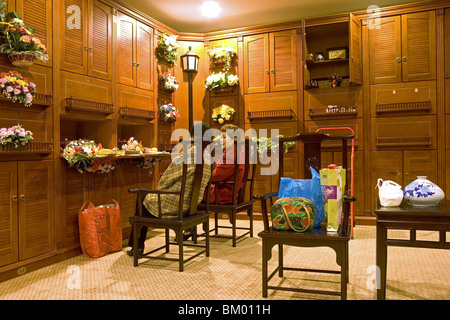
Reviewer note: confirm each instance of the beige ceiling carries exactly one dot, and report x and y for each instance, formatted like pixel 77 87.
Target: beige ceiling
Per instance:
pixel 184 15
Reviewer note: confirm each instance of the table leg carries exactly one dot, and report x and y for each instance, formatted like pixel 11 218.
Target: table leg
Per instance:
pixel 381 260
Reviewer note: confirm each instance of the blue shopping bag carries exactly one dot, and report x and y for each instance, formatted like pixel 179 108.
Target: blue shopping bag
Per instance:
pixel 306 188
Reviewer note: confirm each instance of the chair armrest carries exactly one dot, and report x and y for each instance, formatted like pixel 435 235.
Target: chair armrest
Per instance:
pixel 144 190
pixel 265 196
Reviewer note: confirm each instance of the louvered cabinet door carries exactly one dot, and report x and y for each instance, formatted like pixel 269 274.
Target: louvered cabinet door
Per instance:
pixel 36 219
pixel 100 40
pixel 126 46
pixel 37 14
pixel 385 51
pixel 283 60
pixel 144 68
pixel 355 66
pixel 9 251
pixel 256 63
pixel 74 40
pixel 419 46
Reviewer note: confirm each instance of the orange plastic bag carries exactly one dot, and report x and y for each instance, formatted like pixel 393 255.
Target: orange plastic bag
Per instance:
pixel 100 229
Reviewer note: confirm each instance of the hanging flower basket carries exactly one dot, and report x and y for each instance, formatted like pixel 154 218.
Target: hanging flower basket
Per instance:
pixel 20 59
pixel 226 89
pixel 14 147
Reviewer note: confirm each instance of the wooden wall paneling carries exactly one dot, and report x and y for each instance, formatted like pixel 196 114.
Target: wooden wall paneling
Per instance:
pixel 447 42
pixel 100 40
pixel 283 60
pixel 39 75
pixel 386 51
pixel 256 63
pixel 404 132
pixel 36 215
pixel 419 46
pixel 125 178
pixel 38 16
pixel 9 235
pixel 447 95
pixel 73 36
pixel 419 163
pixel 403 99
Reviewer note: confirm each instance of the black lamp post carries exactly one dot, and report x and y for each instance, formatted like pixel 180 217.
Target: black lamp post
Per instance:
pixel 190 65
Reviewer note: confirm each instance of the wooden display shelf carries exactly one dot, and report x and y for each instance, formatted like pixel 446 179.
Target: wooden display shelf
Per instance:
pixel 271 114
pixel 403 141
pixel 126 112
pixel 87 105
pixel 34 147
pixel 332 112
pixel 403 107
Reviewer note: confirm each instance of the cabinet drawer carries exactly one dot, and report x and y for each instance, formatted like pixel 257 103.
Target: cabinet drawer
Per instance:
pixel 333 103
pixel 404 133
pixel 403 99
pixel 354 124
pixel 271 106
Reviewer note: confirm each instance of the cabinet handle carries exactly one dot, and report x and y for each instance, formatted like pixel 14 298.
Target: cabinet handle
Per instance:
pixel 14 198
pixel 399 174
pixel 22 197
pixel 137 64
pixel 398 59
pixel 85 47
pixel 272 71
pixel 91 49
pixel 406 174
pixel 267 71
pixel 404 59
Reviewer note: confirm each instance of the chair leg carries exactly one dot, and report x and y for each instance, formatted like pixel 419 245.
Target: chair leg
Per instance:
pixel 280 260
pixel 264 268
pixel 233 219
pixel 136 229
pixel 344 270
pixel 179 234
pixel 250 214
pixel 216 221
pixel 206 224
pixel 167 241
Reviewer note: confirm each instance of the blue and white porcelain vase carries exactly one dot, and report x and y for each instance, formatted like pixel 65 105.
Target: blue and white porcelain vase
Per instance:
pixel 423 192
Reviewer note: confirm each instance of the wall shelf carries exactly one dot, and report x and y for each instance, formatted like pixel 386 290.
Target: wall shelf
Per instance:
pixel 34 147
pixel 402 107
pixel 271 114
pixel 126 112
pixel 87 105
pixel 332 112
pixel 403 141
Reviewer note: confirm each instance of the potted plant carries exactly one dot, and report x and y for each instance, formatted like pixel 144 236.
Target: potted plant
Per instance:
pixel 222 114
pixel 222 55
pixel 221 81
pixel 169 113
pixel 15 138
pixel 17 88
pixel 168 82
pixel 167 48
pixel 19 41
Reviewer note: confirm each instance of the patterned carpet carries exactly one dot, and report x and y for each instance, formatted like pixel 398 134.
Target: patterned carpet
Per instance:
pixel 235 274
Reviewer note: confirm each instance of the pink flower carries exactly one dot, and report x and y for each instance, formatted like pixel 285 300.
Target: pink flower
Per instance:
pixel 25 89
pixel 9 89
pixel 29 96
pixel 17 91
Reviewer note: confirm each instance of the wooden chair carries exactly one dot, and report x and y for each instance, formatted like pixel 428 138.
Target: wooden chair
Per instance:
pixel 240 201
pixel 317 237
pixel 183 221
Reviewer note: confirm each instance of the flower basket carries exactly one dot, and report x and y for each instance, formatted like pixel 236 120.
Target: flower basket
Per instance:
pixel 168 113
pixel 14 147
pixel 223 114
pixel 221 90
pixel 20 59
pixel 168 83
pixel 221 82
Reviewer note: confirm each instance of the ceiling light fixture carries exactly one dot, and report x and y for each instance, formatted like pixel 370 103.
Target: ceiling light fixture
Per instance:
pixel 210 9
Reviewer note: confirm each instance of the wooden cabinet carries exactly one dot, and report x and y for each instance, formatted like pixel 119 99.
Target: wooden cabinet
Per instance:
pixel 86 38
pixel 27 215
pixel 403 48
pixel 134 53
pixel 322 38
pixel 38 15
pixel 270 62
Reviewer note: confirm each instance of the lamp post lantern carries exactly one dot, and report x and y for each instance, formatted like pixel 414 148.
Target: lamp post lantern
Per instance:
pixel 190 65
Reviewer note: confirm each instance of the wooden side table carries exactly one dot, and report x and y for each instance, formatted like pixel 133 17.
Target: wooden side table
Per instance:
pixel 412 218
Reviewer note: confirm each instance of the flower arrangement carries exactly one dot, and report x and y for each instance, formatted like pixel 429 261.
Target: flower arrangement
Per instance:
pixel 17 88
pixel 167 47
pixel 266 144
pixel 335 80
pixel 169 112
pixel 19 41
pixel 221 80
pixel 222 113
pixel 168 82
pixel 133 145
pixel 222 55
pixel 82 154
pixel 15 136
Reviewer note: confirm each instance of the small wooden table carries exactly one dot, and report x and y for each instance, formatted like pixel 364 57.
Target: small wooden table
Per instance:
pixel 412 218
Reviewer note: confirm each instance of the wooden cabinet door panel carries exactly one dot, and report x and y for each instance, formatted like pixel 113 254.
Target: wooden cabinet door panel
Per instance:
pixel 355 66
pixel 126 34
pixel 144 56
pixel 419 46
pixel 74 36
pixel 125 178
pixel 419 163
pixel 36 219
pixel 283 60
pixel 100 56
pixel 9 251
pixel 100 188
pixel 37 14
pixel 385 51
pixel 256 63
